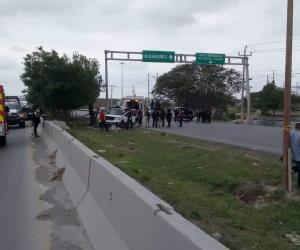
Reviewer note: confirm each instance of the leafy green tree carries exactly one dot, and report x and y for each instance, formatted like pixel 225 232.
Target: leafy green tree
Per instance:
pixel 295 102
pixel 199 86
pixel 61 84
pixel 270 98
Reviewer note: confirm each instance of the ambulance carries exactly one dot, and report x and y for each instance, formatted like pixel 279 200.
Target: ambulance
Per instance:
pixel 3 125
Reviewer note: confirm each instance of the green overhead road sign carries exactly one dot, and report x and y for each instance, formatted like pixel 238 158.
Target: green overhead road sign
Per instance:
pixel 158 56
pixel 210 58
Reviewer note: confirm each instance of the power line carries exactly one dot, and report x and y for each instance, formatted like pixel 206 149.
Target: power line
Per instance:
pixel 276 70
pixel 270 52
pixel 282 48
pixel 272 42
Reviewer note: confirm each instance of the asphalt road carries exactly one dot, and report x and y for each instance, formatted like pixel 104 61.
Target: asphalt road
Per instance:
pixel 36 212
pixel 19 196
pixel 266 139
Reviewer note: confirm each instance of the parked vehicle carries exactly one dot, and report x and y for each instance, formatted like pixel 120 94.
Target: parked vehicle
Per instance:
pixel 13 99
pixel 15 115
pixel 3 124
pixel 118 116
pixel 28 111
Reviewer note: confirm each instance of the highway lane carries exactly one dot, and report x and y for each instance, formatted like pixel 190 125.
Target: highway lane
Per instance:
pixel 19 196
pixel 266 139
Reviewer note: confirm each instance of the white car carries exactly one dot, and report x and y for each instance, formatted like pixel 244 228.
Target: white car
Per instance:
pixel 118 117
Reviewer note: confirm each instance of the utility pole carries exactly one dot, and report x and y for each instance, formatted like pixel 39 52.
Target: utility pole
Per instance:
pixel 248 92
pixel 148 88
pixel 267 79
pixel 122 64
pixel 287 97
pixel 133 91
pixel 111 93
pixel 246 79
pixel 273 76
pixel 155 77
pixel 106 78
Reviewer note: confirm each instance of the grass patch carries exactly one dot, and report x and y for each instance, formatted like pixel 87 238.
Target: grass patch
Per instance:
pixel 228 192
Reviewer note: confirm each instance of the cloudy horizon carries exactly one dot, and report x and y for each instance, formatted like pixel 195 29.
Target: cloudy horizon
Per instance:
pixel 190 26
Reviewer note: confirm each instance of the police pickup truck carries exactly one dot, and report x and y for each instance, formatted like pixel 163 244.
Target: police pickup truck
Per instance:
pixel 3 125
pixel 118 116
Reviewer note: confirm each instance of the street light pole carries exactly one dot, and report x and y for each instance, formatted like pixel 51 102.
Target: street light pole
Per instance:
pixel 148 87
pixel 122 64
pixel 111 94
pixel 287 95
pixel 106 79
pixel 249 119
pixel 243 85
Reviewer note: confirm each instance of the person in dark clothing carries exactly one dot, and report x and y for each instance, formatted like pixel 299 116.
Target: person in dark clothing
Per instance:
pixel 36 120
pixel 140 117
pixel 198 114
pixel 129 120
pixel 209 116
pixel 147 114
pixel 163 117
pixel 102 119
pixel 176 115
pixel 169 117
pixel 203 116
pixel 154 118
pixel 180 118
pixel 295 145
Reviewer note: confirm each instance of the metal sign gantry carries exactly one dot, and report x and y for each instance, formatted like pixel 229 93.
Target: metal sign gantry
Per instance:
pixel 111 55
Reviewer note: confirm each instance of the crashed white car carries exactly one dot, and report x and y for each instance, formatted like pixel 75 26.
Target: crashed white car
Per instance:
pixel 118 117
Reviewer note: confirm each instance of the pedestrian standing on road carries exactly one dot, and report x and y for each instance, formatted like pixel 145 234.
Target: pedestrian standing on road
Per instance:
pixel 158 118
pixel 204 116
pixel 209 115
pixel 180 118
pixel 173 114
pixel 147 115
pixel 129 120
pixel 102 119
pixel 198 114
pixel 163 117
pixel 176 115
pixel 169 117
pixel 295 144
pixel 154 118
pixel 140 117
pixel 36 120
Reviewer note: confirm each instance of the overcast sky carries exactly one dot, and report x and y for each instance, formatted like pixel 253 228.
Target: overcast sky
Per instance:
pixel 190 26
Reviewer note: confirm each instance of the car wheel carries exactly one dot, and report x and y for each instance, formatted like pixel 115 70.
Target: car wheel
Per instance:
pixel 2 140
pixel 22 125
pixel 122 124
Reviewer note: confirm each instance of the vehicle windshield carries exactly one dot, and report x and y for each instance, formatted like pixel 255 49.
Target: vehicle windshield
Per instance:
pixel 115 111
pixel 132 104
pixel 13 105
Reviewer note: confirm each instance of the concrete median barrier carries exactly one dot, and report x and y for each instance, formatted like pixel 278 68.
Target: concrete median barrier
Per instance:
pixel 117 212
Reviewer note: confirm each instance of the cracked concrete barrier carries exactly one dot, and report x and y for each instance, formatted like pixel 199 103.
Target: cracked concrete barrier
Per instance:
pixel 75 161
pixel 117 212
pixel 143 220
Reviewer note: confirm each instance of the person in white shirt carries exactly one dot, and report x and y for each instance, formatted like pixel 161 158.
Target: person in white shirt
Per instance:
pixel 295 144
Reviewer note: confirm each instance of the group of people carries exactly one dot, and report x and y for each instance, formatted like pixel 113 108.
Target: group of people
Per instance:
pixel 203 116
pixel 159 116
